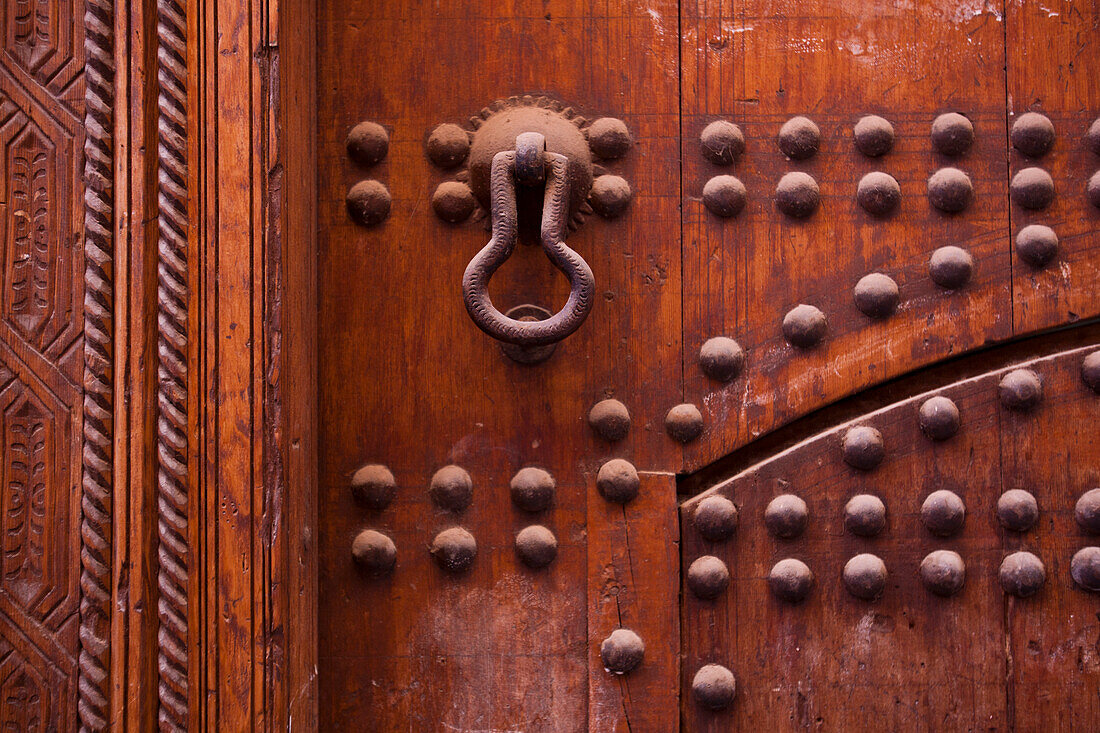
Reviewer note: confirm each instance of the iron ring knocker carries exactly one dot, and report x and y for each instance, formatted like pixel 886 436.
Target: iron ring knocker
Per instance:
pixel 529 164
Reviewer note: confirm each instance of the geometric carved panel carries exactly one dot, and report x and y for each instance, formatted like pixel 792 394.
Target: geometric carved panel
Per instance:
pixel 39 39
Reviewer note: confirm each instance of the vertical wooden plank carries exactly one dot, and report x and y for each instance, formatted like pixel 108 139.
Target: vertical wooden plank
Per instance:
pixel 759 63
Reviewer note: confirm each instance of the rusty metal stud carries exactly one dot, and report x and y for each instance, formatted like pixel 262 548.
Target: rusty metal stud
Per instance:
pixel 708 577
pixel 786 516
pixel 1092 189
pixel 609 138
pixel 1032 134
pixel 374 486
pixel 1084 568
pixel 1032 188
pixel 368 203
pixel 1087 511
pixel 865 515
pixel 950 190
pixel 1092 137
pixel 874 136
pixel 863 448
pixel 799 138
pixel 804 326
pixel 1090 371
pixel 1036 245
pixel 528 354
pixel 943 572
pixel 797 194
pixel 454 549
pixel 724 196
pixel 939 418
pixel 367 143
pixel 715 518
pixel 878 193
pixel 876 295
pixel 714 687
pixel 536 546
pixel 1022 574
pixel 790 580
pixel 865 576
pixel 951 267
pixel 722 142
pixel 532 489
pixel 684 422
pixel 453 202
pixel 1020 390
pixel 448 145
pixel 617 481
pixel 374 552
pixel 1017 510
pixel 610 420
pixel 452 488
pixel 622 651
pixel 721 358
pixel 952 134
pixel 610 196
pixel 943 513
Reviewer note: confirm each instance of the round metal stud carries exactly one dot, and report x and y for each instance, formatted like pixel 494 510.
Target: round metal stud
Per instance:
pixel 617 481
pixel 520 354
pixel 373 486
pixel 865 576
pixel 878 193
pixel 1022 574
pixel 799 138
pixel 786 516
pixel 368 203
pixel 1032 188
pixel 790 580
pixel 951 267
pixel 1084 568
pixel 452 488
pixel 952 134
pixel 1036 245
pixel 609 138
pixel 1092 137
pixel 1032 134
pixel 1087 511
pixel 453 202
pixel 715 518
pixel 454 549
pixel 797 194
pixel 1020 390
pixel 448 145
pixel 610 420
pixel 721 358
pixel 610 196
pixel 708 577
pixel 714 687
pixel 367 143
pixel 1090 371
pixel 876 295
pixel 374 552
pixel 724 196
pixel 943 572
pixel 874 136
pixel 532 489
pixel 1017 510
pixel 943 513
pixel 804 326
pixel 950 190
pixel 865 515
pixel 939 417
pixel 863 448
pixel 536 546
pixel 1092 189
pixel 684 422
pixel 622 651
pixel 722 142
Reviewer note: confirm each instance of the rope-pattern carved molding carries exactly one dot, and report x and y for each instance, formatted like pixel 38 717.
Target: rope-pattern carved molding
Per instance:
pixel 172 298
pixel 97 456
